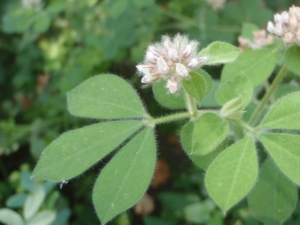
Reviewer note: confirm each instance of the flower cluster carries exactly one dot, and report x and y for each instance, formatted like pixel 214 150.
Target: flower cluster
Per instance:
pixel 260 39
pixel 216 4
pixel 30 3
pixel 287 25
pixel 171 60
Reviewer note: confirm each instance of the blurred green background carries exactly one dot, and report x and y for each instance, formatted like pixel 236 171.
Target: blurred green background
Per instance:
pixel 48 47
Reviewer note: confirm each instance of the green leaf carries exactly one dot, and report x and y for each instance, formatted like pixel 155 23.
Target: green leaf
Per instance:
pixel 203 161
pixel 195 86
pixel 219 52
pixel 239 85
pixel 76 151
pixel 42 23
pixel 166 99
pixel 10 217
pixel 284 149
pixel 274 197
pixel 209 100
pixel 232 174
pixel 124 180
pixel 248 29
pixel 16 201
pixel 144 3
pixel 284 114
pixel 34 202
pixel 45 217
pixel 209 131
pixel 199 212
pixel 106 97
pixel 257 65
pixel 291 59
pixel 116 8
pixel 207 78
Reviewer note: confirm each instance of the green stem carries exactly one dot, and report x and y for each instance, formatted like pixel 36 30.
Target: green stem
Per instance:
pixel 280 75
pixel 166 119
pixel 245 125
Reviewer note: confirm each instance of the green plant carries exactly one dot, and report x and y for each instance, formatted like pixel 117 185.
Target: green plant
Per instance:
pixel 33 203
pixel 222 141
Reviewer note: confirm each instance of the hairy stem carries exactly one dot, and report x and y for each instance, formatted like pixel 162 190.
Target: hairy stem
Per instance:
pixel 166 119
pixel 280 75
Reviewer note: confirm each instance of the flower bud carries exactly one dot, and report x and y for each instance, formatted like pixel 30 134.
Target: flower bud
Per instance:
pixel 149 79
pixel 193 63
pixel 173 55
pixel 172 85
pixel 151 57
pixel 233 109
pixel 181 70
pixel 202 60
pixel 187 51
pixel 162 65
pixel 271 27
pixel 143 69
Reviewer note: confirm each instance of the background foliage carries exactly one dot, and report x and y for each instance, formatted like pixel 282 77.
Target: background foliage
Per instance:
pixel 49 49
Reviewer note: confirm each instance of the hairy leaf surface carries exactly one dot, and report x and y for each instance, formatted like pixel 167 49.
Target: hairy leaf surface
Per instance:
pixel 274 197
pixel 232 174
pixel 76 151
pixel 125 179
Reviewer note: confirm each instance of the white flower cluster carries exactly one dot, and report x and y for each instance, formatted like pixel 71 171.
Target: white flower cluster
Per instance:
pixel 287 25
pixel 216 4
pixel 260 39
pixel 30 3
pixel 171 60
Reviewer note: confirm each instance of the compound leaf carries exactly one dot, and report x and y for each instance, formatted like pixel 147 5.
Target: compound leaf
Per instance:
pixel 125 179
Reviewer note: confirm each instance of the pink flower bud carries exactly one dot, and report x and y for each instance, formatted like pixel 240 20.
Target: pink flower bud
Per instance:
pixel 172 85
pixel 143 68
pixel 151 57
pixel 162 65
pixel 193 63
pixel 149 78
pixel 181 70
pixel 173 55
pixel 187 51
pixel 271 27
pixel 285 17
pixel 202 60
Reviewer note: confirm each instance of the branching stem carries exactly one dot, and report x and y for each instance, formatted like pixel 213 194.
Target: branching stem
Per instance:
pixel 280 75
